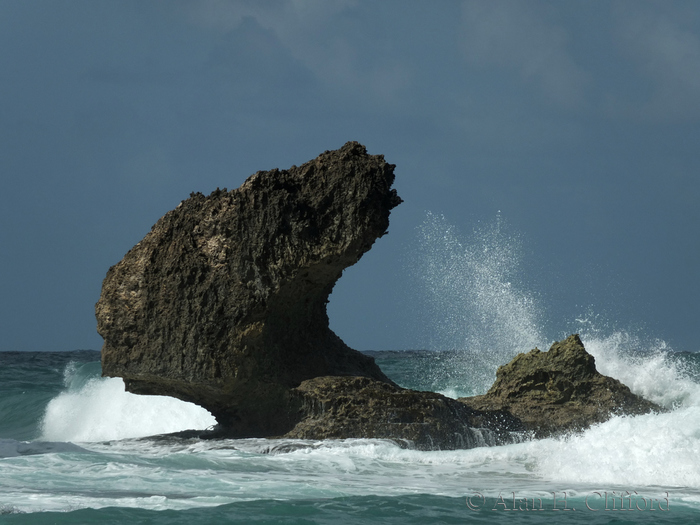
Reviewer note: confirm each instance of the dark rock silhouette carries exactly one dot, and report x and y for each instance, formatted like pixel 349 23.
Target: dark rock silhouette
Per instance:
pixel 558 391
pixel 223 303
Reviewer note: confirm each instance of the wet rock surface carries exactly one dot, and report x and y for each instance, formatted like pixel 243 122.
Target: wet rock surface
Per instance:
pixel 360 407
pixel 558 391
pixel 223 303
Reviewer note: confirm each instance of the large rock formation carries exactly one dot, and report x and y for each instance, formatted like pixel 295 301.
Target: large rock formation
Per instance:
pixel 558 391
pixel 223 303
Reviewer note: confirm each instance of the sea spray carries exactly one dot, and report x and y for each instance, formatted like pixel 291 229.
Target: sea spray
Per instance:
pixel 650 370
pixel 472 295
pixel 475 297
pixel 95 409
pixel 649 366
pixel 479 306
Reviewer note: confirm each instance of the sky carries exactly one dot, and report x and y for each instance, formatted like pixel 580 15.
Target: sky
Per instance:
pixel 571 128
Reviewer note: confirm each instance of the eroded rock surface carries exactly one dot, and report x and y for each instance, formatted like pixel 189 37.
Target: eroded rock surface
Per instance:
pixel 223 303
pixel 558 391
pixel 360 407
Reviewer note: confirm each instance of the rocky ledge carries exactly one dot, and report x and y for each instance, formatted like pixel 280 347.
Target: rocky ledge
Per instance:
pixel 558 391
pixel 360 407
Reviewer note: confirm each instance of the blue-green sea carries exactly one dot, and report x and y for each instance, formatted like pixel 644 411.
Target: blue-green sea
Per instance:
pixel 75 448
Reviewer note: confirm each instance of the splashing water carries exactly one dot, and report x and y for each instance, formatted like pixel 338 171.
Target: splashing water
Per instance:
pixel 651 449
pixel 470 283
pixel 95 409
pixel 478 303
pixel 473 298
pixel 647 366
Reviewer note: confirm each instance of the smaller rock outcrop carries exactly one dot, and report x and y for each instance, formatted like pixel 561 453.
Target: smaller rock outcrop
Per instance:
pixel 558 391
pixel 334 407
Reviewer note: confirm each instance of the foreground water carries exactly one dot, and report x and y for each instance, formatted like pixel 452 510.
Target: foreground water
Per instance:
pixel 74 449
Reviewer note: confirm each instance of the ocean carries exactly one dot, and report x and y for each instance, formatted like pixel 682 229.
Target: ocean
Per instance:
pixel 76 448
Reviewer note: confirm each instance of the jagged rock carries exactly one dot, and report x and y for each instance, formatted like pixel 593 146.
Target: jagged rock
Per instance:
pixel 360 407
pixel 558 391
pixel 223 303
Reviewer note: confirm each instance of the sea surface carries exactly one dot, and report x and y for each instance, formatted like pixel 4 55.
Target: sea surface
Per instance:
pixel 75 448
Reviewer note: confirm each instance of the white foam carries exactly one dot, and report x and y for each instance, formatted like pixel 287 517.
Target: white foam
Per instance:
pixel 649 450
pixel 646 367
pixel 102 410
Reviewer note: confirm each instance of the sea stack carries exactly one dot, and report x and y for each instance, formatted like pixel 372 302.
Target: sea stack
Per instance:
pixel 558 391
pixel 223 303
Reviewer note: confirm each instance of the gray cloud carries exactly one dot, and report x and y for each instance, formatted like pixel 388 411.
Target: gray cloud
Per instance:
pixel 326 37
pixel 518 36
pixel 664 45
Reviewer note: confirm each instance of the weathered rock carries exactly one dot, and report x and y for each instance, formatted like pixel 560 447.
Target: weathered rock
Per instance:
pixel 558 391
pixel 223 303
pixel 360 407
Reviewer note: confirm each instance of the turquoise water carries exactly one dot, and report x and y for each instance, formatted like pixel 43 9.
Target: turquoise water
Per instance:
pixel 411 509
pixel 75 448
